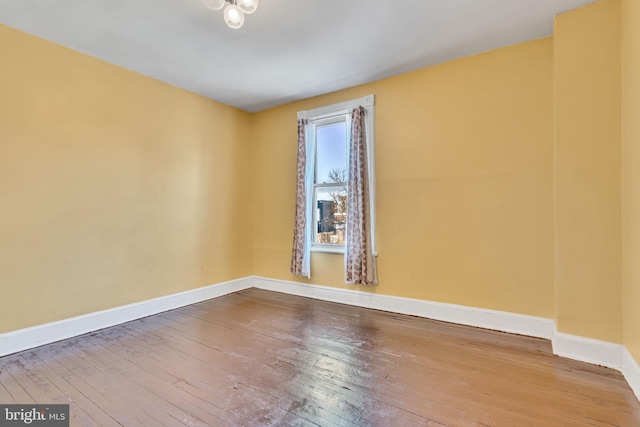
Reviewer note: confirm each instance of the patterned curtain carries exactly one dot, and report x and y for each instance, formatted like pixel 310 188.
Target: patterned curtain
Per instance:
pixel 300 256
pixel 360 263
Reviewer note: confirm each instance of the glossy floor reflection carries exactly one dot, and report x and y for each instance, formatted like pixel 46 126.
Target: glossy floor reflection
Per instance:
pixel 257 358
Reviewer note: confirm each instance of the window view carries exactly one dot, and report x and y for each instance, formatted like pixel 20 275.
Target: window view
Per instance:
pixel 330 184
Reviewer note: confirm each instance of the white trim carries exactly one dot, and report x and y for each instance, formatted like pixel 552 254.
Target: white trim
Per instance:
pixel 23 339
pixel 588 350
pixel 471 316
pixel 370 136
pixel 574 347
pixel 337 109
pixel 327 249
pixel 631 371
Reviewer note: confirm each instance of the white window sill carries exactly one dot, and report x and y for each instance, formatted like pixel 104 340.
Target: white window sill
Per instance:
pixel 329 249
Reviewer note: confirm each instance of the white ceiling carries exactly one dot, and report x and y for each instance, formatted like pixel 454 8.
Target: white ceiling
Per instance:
pixel 288 49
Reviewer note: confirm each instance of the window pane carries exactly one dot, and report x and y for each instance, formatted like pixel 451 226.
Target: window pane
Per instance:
pixel 331 215
pixel 331 153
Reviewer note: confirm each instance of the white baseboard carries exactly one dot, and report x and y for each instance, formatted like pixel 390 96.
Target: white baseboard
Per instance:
pixel 631 371
pixel 588 350
pixel 23 339
pixel 471 316
pixel 573 347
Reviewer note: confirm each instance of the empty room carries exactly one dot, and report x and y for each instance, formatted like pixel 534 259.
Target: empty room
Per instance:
pixel 320 213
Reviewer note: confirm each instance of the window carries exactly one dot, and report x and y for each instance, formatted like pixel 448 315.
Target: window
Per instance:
pixel 330 181
pixel 335 189
pixel 327 139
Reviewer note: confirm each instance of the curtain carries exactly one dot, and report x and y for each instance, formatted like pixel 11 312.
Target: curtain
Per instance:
pixel 360 266
pixel 300 256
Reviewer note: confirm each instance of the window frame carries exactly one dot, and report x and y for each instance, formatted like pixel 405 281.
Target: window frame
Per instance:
pixel 325 116
pixel 317 123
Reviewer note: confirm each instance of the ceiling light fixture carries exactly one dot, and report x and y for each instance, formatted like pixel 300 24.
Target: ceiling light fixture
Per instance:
pixel 235 10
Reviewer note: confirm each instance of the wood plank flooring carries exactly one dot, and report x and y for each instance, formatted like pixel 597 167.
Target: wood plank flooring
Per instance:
pixel 258 358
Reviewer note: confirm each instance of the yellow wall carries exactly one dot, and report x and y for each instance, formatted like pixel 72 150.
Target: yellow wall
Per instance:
pixel 587 171
pixel 498 179
pixel 464 183
pixel 631 175
pixel 114 187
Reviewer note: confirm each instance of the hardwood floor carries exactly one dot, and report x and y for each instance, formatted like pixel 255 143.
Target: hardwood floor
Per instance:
pixel 258 358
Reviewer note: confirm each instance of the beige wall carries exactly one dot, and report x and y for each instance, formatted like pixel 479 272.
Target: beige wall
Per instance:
pixel 587 171
pixel 631 175
pixel 114 187
pixel 464 183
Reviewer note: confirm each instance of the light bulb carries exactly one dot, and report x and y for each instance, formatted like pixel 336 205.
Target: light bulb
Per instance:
pixel 214 4
pixel 248 6
pixel 233 16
